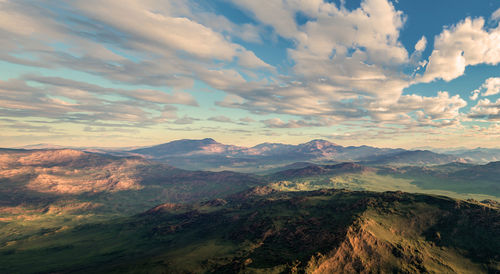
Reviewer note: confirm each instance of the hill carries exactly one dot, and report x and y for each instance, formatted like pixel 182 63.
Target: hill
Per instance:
pixel 314 170
pixel 459 180
pixel 267 231
pixel 490 171
pixel 54 174
pixel 43 189
pixel 417 158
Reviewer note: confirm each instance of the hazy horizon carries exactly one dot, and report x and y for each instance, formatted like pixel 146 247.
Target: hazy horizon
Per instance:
pixel 132 146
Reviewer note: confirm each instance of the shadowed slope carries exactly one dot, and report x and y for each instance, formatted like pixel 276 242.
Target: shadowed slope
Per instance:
pixel 264 230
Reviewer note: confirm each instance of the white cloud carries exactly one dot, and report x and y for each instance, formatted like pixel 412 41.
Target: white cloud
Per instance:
pixel 486 109
pixel 151 42
pixel 465 44
pixel 491 86
pixel 428 110
pixel 421 44
pixel 162 33
pixel 339 55
pixel 475 94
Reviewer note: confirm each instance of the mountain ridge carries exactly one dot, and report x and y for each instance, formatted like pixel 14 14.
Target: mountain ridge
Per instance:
pixel 211 155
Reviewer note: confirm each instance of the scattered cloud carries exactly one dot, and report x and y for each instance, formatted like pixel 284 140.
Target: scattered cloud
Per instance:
pixel 491 86
pixel 247 120
pixel 221 118
pixel 278 123
pixel 486 109
pixel 421 44
pixel 185 120
pixel 475 94
pixel 464 44
pixel 77 102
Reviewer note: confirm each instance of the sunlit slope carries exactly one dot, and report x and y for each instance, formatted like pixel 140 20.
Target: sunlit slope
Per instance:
pixel 43 190
pixel 456 180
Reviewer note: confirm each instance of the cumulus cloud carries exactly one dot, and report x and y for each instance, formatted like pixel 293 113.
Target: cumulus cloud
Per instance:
pixel 486 109
pixel 491 86
pixel 415 110
pixel 357 51
pixel 464 44
pixel 344 60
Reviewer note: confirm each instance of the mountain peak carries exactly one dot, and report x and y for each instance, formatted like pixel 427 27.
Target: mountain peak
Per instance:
pixel 320 141
pixel 208 140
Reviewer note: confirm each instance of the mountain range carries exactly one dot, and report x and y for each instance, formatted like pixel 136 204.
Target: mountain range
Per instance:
pixel 207 154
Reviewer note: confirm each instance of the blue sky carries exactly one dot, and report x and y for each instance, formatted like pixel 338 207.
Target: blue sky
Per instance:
pixel 125 73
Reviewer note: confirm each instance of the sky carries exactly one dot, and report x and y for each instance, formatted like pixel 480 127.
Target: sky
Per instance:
pixel 119 73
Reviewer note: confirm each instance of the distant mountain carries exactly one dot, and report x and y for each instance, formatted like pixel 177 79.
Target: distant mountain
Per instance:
pixel 418 157
pixel 478 155
pixel 41 146
pixel 188 147
pixel 84 148
pixel 207 154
